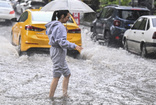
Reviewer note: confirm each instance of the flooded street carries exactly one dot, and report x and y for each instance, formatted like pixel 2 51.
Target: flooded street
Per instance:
pixel 101 76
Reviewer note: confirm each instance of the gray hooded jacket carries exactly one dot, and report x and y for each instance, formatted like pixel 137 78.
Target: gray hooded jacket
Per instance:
pixel 58 35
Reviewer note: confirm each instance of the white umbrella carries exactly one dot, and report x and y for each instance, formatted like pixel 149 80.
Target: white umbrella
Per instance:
pixel 71 5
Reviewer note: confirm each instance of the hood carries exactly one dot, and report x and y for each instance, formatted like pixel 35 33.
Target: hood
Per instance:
pixel 50 26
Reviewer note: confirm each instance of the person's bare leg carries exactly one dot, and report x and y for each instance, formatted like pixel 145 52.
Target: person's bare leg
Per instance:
pixel 53 87
pixel 65 85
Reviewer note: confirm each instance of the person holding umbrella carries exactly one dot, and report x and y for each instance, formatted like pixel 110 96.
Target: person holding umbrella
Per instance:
pixel 57 34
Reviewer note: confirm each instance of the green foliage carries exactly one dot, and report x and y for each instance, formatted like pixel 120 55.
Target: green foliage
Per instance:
pixel 154 3
pixel 117 2
pixel 104 3
pixel 125 2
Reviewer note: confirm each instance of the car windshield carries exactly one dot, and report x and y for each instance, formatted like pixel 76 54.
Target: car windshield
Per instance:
pixel 37 3
pixel 154 22
pixel 132 14
pixel 5 4
pixel 45 17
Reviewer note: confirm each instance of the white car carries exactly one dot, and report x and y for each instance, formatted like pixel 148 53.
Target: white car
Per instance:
pixel 141 37
pixel 6 11
pixel 28 4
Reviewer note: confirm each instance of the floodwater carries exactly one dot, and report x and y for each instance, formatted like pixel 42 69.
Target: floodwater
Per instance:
pixel 100 76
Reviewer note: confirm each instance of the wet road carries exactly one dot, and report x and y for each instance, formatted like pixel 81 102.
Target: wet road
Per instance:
pixel 101 76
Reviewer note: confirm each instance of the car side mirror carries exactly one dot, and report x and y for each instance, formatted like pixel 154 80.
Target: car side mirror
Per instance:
pixel 131 25
pixel 14 19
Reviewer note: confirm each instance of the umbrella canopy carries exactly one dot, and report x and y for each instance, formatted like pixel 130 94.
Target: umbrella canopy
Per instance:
pixel 71 5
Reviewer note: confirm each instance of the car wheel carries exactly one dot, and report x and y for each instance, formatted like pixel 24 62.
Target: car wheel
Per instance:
pixel 91 28
pixel 20 53
pixel 125 46
pixel 19 47
pixel 143 51
pixel 12 38
pixel 107 39
pixel 93 37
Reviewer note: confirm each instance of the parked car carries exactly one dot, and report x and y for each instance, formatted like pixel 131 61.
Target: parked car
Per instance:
pixel 27 4
pixel 6 11
pixel 30 32
pixel 113 21
pixel 141 38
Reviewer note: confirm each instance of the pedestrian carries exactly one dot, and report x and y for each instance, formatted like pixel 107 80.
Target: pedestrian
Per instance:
pixel 57 34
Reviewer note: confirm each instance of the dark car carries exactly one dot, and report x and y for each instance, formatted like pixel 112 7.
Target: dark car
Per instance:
pixel 113 21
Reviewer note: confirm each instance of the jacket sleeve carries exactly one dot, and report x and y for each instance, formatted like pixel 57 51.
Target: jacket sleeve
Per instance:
pixel 62 39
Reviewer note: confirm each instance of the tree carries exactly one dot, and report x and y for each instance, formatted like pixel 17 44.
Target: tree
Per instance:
pixel 117 2
pixel 94 4
pixel 125 2
pixel 147 3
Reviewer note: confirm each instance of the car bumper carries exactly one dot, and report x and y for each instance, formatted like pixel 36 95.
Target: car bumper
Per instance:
pixel 34 41
pixel 151 47
pixel 117 33
pixel 41 41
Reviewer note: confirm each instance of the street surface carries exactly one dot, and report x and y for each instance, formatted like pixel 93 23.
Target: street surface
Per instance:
pixel 100 76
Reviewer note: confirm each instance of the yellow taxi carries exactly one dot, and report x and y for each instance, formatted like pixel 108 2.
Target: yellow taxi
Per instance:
pixel 30 32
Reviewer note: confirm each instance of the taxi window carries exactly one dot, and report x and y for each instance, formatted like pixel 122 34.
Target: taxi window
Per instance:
pixel 45 17
pixel 41 16
pixel 69 21
pixel 23 17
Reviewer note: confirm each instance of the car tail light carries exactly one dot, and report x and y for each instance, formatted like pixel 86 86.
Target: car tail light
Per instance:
pixel 11 12
pixel 154 35
pixel 116 23
pixel 117 37
pixel 32 28
pixel 78 30
pixel 135 9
